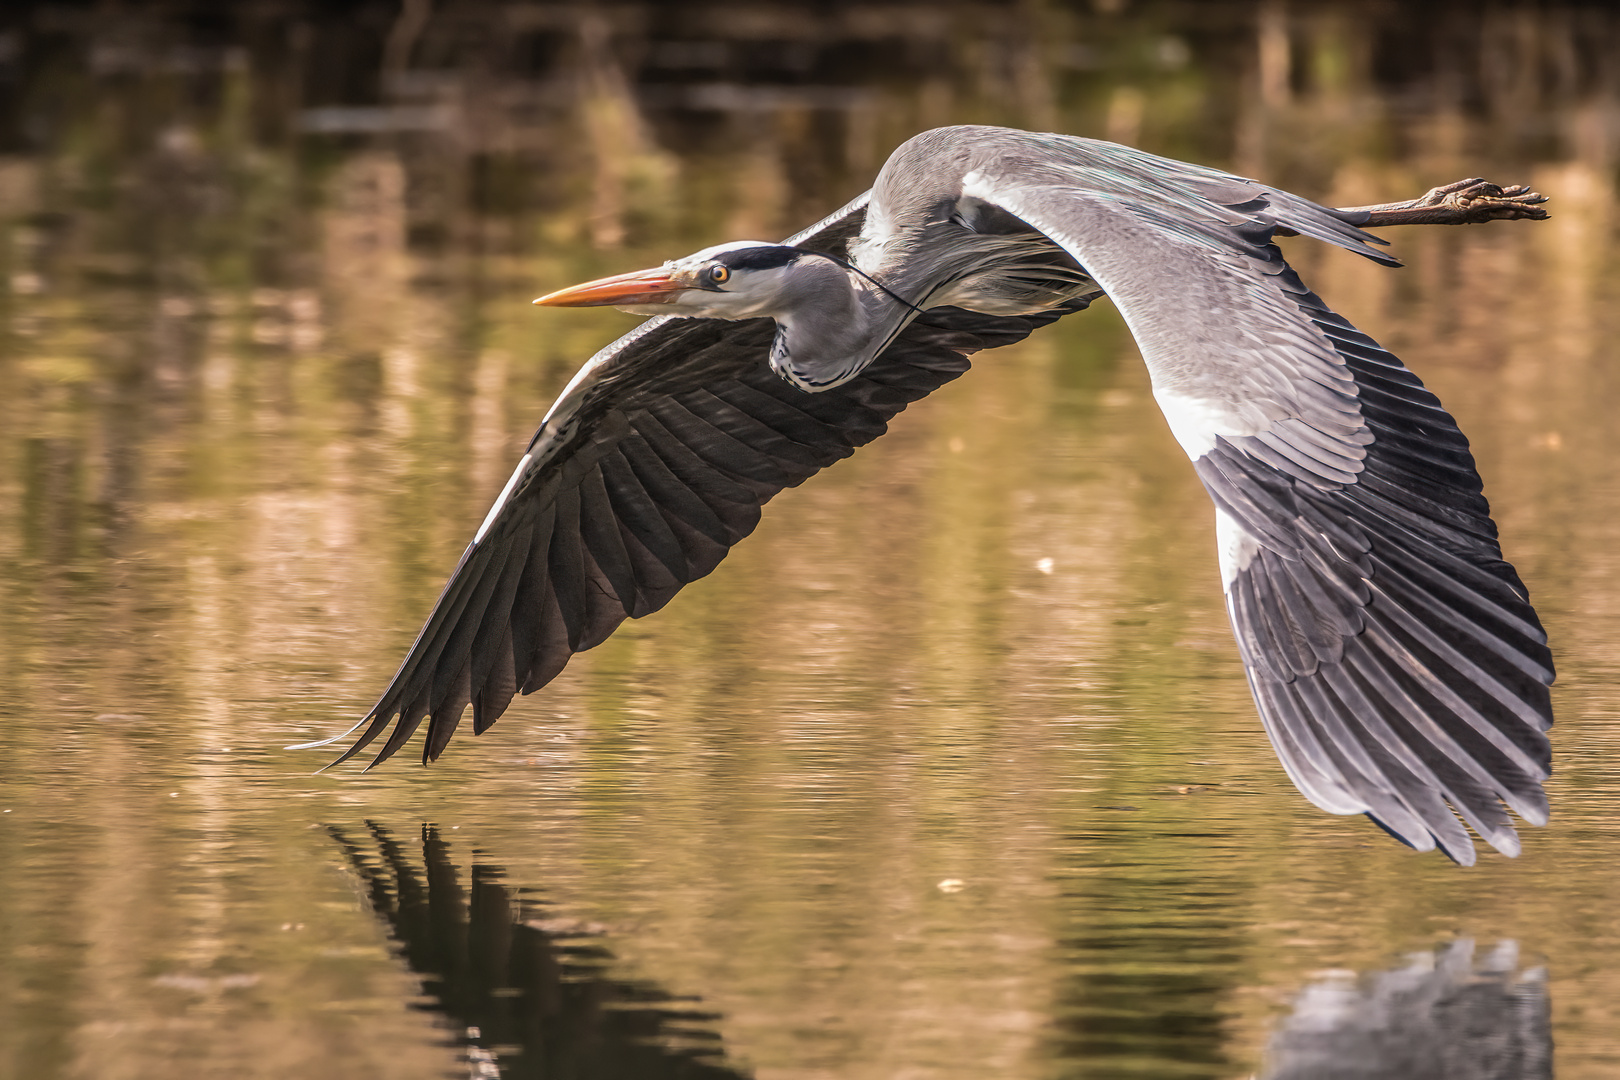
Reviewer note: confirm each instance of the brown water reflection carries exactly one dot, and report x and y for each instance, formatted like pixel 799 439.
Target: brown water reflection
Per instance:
pixel 1431 1016
pixel 265 362
pixel 530 993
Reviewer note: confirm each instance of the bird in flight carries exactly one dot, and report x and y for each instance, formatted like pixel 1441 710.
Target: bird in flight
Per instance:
pixel 1395 659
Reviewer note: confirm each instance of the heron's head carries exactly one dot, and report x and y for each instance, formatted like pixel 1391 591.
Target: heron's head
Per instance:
pixel 742 280
pixel 831 320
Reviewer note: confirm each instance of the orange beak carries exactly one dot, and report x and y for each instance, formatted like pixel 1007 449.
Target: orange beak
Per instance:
pixel 621 290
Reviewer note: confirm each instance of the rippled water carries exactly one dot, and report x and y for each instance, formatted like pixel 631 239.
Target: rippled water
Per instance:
pixel 949 771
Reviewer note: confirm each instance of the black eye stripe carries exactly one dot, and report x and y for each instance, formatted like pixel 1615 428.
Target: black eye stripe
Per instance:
pixel 759 258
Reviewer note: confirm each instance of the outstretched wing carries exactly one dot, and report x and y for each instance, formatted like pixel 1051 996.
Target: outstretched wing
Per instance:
pixel 1394 655
pixel 653 462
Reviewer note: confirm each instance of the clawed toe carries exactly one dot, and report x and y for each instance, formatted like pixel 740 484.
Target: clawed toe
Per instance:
pixel 1465 202
pixel 1438 196
pixel 1477 200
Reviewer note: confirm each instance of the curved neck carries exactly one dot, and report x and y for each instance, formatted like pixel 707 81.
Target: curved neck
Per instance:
pixel 836 325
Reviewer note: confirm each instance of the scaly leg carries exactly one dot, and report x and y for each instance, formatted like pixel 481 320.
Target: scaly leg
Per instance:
pixel 1466 202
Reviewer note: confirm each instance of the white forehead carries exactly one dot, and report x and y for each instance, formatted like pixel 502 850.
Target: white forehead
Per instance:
pixel 720 249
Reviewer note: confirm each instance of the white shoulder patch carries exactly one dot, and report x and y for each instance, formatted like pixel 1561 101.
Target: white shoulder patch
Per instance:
pixel 1195 421
pixel 1235 547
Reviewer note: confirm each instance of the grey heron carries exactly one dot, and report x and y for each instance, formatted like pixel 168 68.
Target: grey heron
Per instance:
pixel 1393 654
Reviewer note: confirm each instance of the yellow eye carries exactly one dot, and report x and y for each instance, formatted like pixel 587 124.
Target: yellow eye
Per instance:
pixel 719 274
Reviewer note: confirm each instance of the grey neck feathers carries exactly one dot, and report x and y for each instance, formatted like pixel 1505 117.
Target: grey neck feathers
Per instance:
pixel 836 325
pixel 836 320
pixel 949 263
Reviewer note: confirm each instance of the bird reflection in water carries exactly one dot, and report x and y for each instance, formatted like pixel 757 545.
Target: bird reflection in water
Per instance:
pixel 528 995
pixel 1445 1015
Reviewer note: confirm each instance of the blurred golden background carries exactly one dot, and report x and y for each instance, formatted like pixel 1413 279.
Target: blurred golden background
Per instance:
pixel 266 355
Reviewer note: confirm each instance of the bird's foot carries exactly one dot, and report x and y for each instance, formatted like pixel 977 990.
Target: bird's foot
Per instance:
pixel 1478 200
pixel 1467 202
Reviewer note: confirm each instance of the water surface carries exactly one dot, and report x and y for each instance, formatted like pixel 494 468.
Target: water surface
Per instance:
pixel 949 771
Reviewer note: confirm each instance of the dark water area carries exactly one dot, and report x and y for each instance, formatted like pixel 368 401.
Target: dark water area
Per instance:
pixel 950 770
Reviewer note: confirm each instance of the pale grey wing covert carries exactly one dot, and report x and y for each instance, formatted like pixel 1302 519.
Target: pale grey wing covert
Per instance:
pixel 1394 656
pixel 653 463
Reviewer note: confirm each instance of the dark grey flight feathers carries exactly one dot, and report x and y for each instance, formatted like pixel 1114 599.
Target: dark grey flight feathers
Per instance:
pixel 1394 656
